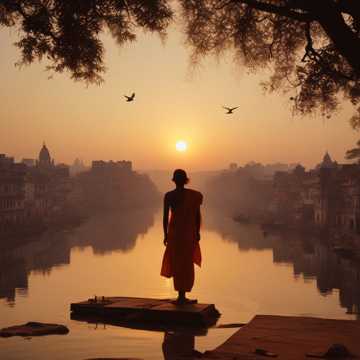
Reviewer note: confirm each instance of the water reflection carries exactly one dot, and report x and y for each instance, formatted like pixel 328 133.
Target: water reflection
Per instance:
pixel 114 231
pixel 249 237
pixel 178 345
pixel 13 275
pixel 104 234
pixel 38 256
pixel 178 341
pixel 310 258
pixel 314 259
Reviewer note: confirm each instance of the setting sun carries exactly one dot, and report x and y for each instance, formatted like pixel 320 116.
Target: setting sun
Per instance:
pixel 181 145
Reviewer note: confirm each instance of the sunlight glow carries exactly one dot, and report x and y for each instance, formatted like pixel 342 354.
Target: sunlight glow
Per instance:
pixel 181 145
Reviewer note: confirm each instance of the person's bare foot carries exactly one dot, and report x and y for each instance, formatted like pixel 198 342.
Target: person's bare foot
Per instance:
pixel 184 301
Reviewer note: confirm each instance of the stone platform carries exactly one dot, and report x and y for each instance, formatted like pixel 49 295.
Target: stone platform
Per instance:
pixel 289 338
pixel 131 309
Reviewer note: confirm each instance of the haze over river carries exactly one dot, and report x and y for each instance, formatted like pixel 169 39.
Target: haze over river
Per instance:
pixel 243 274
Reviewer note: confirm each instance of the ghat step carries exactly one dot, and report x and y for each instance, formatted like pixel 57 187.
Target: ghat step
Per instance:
pixel 290 338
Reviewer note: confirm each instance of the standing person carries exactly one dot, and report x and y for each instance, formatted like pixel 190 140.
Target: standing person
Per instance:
pixel 181 235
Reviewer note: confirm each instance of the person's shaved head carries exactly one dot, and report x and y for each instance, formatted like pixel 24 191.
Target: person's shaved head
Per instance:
pixel 180 177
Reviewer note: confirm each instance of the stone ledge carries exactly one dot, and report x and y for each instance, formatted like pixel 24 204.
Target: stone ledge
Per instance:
pixel 34 329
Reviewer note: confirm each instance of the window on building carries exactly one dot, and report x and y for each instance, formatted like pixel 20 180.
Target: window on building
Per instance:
pixel 352 224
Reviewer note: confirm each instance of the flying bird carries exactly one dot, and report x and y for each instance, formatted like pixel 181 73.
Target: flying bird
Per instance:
pixel 230 110
pixel 130 98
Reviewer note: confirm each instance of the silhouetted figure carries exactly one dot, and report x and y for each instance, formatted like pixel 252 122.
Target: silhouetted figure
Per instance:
pixel 181 235
pixel 230 110
pixel 130 98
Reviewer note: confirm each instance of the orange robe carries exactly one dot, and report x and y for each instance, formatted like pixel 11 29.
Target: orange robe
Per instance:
pixel 183 249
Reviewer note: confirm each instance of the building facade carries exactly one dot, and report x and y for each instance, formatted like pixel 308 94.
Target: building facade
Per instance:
pixel 12 192
pixel 328 196
pixel 31 194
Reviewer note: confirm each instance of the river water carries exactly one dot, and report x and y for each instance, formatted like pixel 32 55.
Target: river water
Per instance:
pixel 243 274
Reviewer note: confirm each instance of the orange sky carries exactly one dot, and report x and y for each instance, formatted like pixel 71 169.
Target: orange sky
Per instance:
pixel 173 102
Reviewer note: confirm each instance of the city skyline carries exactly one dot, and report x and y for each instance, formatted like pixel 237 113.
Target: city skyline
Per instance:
pixel 231 165
pixel 173 102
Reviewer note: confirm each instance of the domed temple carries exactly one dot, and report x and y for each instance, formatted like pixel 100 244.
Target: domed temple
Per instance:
pixel 45 158
pixel 327 163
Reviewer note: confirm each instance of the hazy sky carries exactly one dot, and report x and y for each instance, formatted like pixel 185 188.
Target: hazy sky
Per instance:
pixel 172 102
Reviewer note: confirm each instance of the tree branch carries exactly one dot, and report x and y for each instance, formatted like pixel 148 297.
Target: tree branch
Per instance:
pixel 273 9
pixel 313 55
pixel 310 52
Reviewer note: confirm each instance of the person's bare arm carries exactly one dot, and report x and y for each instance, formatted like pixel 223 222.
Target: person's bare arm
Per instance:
pixel 166 217
pixel 198 217
pixel 198 223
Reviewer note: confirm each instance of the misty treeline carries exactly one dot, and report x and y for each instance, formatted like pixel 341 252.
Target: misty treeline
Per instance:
pixel 354 153
pixel 311 48
pixel 245 190
pixel 93 194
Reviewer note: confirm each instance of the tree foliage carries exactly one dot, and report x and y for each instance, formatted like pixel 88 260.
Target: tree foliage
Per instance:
pixel 354 154
pixel 311 47
pixel 67 32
